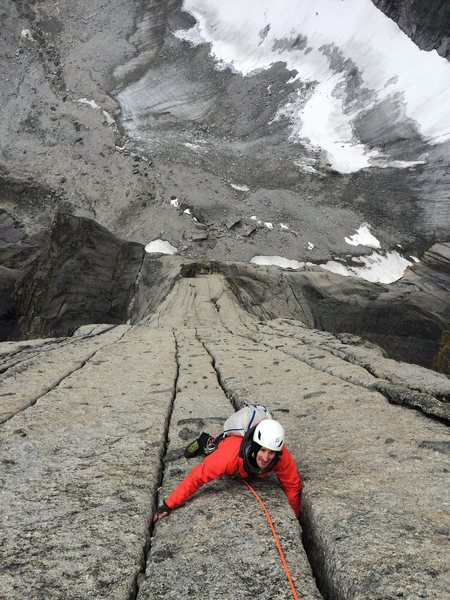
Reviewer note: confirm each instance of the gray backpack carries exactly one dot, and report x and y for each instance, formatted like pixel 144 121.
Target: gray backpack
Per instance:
pixel 245 418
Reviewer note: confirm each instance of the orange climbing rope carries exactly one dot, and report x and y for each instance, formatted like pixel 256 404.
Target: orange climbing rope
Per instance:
pixel 277 541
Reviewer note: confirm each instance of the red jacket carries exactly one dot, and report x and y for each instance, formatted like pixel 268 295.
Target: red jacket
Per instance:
pixel 226 461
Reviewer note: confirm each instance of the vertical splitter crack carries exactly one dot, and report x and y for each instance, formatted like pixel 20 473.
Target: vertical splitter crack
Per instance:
pixel 307 542
pixel 162 455
pixel 220 381
pixel 135 289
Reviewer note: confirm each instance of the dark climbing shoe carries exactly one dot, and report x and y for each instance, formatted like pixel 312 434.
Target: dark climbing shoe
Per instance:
pixel 197 446
pixel 192 449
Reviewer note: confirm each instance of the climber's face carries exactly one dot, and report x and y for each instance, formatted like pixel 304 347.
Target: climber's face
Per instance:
pixel 264 457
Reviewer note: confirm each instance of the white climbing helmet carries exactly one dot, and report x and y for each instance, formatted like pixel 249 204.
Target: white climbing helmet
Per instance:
pixel 269 434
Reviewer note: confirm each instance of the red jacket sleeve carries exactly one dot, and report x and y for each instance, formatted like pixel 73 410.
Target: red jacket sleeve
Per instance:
pixel 223 461
pixel 290 480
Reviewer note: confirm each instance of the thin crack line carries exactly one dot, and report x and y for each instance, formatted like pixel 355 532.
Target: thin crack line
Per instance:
pixel 389 390
pixel 135 289
pixel 58 382
pixel 29 352
pixel 147 547
pixel 303 310
pixel 220 381
pixel 231 397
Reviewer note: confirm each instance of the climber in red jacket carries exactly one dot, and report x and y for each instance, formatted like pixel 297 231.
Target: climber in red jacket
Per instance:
pixel 258 453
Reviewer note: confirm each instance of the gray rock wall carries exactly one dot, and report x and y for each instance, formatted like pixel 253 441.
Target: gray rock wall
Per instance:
pixel 407 319
pixel 81 274
pixel 218 545
pixel 8 319
pixel 92 449
pixel 406 323
pixel 80 469
pixel 426 23
pixel 375 508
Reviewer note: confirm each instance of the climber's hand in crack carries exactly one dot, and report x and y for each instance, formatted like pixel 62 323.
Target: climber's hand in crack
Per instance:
pixel 161 512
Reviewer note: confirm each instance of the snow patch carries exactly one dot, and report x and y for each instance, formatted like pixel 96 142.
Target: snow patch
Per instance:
pixel 400 164
pixel 26 34
pixel 363 237
pixel 277 261
pixel 378 268
pixel 195 147
pixel 161 247
pixel 267 224
pixel 339 36
pixel 109 119
pixel 90 103
pixel 240 188
pixel 307 168
pixel 193 36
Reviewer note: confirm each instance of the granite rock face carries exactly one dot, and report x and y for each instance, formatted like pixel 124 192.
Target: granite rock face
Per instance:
pixel 80 274
pixel 8 278
pixel 137 354
pixel 219 543
pixel 365 528
pixel 92 440
pixel 426 23
pixel 80 464
pixel 10 230
pixel 406 321
pixel 17 250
